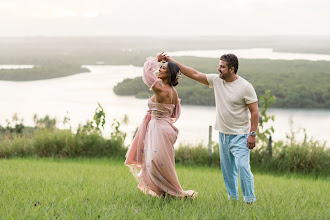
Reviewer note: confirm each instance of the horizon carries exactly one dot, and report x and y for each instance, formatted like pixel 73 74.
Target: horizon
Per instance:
pixel 168 36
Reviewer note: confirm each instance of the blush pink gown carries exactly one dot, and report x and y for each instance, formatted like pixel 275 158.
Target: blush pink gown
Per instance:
pixel 151 155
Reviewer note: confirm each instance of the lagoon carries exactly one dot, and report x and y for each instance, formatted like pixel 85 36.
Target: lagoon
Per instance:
pixel 77 97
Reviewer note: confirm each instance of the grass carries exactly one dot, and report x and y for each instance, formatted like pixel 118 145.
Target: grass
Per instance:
pixel 105 189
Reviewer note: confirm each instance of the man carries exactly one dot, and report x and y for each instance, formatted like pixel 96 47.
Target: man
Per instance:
pixel 234 98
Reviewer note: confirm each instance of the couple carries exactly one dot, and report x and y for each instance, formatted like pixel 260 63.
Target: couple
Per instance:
pixel 151 155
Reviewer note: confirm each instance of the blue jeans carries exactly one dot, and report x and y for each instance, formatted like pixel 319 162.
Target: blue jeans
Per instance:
pixel 235 156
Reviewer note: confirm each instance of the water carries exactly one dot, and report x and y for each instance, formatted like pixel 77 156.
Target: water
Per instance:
pixel 254 53
pixel 77 96
pixel 16 66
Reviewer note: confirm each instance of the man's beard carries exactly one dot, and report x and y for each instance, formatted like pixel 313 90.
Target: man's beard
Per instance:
pixel 223 76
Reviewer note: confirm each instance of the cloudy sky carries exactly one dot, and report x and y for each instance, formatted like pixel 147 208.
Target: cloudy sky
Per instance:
pixel 164 18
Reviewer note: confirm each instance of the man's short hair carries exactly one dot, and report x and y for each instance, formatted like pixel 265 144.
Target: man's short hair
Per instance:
pixel 231 60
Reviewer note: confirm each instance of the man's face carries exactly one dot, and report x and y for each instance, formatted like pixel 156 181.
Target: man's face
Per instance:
pixel 223 70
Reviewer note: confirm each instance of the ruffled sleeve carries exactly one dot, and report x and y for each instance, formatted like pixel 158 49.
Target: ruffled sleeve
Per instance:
pixel 149 68
pixel 176 112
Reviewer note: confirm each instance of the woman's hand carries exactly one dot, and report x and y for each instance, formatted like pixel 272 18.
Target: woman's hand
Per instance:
pixel 161 57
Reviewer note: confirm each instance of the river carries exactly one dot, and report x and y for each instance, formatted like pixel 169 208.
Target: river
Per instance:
pixel 77 97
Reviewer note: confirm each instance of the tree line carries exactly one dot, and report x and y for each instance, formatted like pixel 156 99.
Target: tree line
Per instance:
pixel 296 84
pixel 43 71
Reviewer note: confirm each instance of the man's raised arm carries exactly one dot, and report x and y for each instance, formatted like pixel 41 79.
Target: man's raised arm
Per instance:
pixel 190 72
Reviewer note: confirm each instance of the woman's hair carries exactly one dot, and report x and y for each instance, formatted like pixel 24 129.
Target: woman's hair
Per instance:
pixel 173 73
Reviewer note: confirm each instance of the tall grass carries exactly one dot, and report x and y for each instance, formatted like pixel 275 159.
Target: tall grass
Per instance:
pixel 308 157
pixel 60 143
pixel 104 189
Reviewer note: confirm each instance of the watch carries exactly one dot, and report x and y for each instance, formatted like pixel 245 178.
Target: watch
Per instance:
pixel 253 133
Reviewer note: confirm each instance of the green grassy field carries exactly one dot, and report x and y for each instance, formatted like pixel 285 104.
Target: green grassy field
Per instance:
pixel 105 189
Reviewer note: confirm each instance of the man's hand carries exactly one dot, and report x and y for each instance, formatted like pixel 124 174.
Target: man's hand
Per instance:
pixel 168 58
pixel 251 142
pixel 161 57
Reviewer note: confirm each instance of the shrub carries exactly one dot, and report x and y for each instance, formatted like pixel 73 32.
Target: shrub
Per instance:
pixel 16 146
pixel 308 157
pixel 45 140
pixel 197 155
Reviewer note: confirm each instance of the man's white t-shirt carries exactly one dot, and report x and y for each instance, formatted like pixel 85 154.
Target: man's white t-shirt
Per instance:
pixel 231 99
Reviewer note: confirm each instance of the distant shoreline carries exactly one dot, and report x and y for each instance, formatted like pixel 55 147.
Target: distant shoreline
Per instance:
pixel 40 72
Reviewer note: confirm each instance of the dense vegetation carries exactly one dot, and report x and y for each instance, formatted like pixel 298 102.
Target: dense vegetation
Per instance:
pixel 45 71
pixel 296 84
pixel 308 157
pixel 45 140
pixel 85 188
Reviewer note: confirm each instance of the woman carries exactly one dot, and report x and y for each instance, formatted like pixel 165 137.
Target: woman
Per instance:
pixel 151 155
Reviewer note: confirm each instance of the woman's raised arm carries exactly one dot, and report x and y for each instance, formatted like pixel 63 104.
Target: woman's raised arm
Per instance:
pixel 149 68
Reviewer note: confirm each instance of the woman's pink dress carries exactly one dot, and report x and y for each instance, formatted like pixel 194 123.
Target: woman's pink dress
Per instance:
pixel 151 155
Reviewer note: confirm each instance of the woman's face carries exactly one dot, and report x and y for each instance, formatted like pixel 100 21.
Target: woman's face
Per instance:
pixel 163 74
